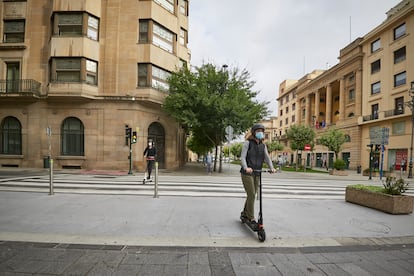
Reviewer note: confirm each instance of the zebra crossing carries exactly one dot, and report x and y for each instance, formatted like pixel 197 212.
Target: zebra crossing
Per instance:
pixel 275 186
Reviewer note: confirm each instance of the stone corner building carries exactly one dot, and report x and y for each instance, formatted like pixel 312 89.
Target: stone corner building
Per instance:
pixel 86 69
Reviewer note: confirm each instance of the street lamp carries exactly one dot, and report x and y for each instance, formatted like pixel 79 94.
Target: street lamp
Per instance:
pixel 224 69
pixel 410 104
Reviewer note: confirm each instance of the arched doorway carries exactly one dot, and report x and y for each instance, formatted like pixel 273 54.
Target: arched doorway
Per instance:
pixel 156 134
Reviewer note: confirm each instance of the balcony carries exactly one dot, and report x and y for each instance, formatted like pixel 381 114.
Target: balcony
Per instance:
pixel 394 112
pixel 371 117
pixel 19 87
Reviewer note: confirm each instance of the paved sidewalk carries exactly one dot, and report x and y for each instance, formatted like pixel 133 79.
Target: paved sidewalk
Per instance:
pixel 68 234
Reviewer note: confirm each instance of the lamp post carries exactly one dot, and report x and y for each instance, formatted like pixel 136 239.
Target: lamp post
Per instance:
pixel 410 104
pixel 224 69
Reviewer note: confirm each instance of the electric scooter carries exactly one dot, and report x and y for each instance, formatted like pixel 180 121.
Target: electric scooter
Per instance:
pixel 145 180
pixel 257 227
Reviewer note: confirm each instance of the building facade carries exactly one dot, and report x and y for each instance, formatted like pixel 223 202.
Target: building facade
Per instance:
pixel 363 94
pixel 74 74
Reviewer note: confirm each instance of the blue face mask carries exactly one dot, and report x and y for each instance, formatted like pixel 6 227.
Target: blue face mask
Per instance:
pixel 259 135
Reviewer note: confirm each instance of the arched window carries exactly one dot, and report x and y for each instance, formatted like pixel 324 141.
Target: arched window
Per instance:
pixel 72 139
pixel 11 136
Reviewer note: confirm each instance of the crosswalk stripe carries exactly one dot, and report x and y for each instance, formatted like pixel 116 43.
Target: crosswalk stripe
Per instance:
pixel 197 186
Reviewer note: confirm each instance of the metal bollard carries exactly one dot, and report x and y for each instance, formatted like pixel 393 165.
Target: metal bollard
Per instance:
pixel 156 181
pixel 51 176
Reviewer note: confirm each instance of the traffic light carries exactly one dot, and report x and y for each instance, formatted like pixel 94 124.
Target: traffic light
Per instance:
pixel 127 131
pixel 134 137
pixel 127 134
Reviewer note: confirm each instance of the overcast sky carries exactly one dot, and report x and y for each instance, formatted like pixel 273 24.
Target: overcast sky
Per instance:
pixel 278 39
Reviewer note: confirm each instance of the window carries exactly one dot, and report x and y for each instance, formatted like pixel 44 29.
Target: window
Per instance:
pixel 11 136
pixel 183 37
pixel 399 31
pixel 351 95
pixel 91 72
pixel 166 4
pixel 184 7
pixel 376 45
pixel 68 70
pixel 374 111
pixel 399 55
pixel 347 138
pixel 151 74
pixel 74 70
pixel 161 36
pixel 143 31
pixel 287 98
pixel 76 24
pixel 398 128
pixel 287 121
pixel 400 79
pixel 93 27
pixel 281 112
pixel 69 24
pixel 351 78
pixel 72 137
pixel 294 107
pixel 399 105
pixel 376 88
pixel 375 66
pixel 287 109
pixel 293 118
pixel 143 75
pixel 281 101
pixel 13 31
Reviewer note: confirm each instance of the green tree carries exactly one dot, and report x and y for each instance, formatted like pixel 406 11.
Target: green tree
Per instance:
pixel 208 99
pixel 299 136
pixel 236 149
pixel 333 139
pixel 274 146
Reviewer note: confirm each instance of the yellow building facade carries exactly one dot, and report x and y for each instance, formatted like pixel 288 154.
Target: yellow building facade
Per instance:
pixel 363 94
pixel 74 74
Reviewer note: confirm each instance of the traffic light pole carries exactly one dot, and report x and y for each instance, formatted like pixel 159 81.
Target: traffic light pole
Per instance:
pixel 130 157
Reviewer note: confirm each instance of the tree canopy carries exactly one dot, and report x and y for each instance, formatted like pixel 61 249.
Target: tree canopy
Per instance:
pixel 333 139
pixel 206 100
pixel 299 136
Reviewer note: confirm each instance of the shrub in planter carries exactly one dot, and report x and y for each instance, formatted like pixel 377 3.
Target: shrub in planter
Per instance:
pixel 339 164
pixel 388 198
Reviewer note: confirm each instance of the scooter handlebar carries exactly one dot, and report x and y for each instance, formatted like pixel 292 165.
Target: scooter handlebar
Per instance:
pixel 260 171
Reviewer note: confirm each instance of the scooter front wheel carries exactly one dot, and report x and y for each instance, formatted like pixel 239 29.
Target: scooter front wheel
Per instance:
pixel 261 234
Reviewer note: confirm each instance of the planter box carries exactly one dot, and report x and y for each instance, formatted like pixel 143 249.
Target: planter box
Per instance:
pixel 338 172
pixel 393 204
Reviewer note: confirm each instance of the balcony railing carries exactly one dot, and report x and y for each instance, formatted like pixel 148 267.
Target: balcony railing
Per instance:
pixel 20 87
pixel 394 112
pixel 370 117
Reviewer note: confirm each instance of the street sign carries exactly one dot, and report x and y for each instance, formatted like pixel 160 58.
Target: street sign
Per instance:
pixel 307 147
pixel 229 133
pixel 385 135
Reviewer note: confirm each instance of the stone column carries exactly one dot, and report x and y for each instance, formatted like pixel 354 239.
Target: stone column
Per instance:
pixel 342 100
pixel 328 114
pixel 308 110
pixel 317 103
pixel 358 92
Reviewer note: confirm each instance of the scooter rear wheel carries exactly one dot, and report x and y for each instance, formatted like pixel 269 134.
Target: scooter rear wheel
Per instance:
pixel 261 234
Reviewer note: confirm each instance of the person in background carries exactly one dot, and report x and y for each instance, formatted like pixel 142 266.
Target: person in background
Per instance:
pixel 209 162
pixel 150 153
pixel 254 154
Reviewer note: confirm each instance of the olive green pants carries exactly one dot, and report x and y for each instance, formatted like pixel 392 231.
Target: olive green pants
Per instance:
pixel 251 185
